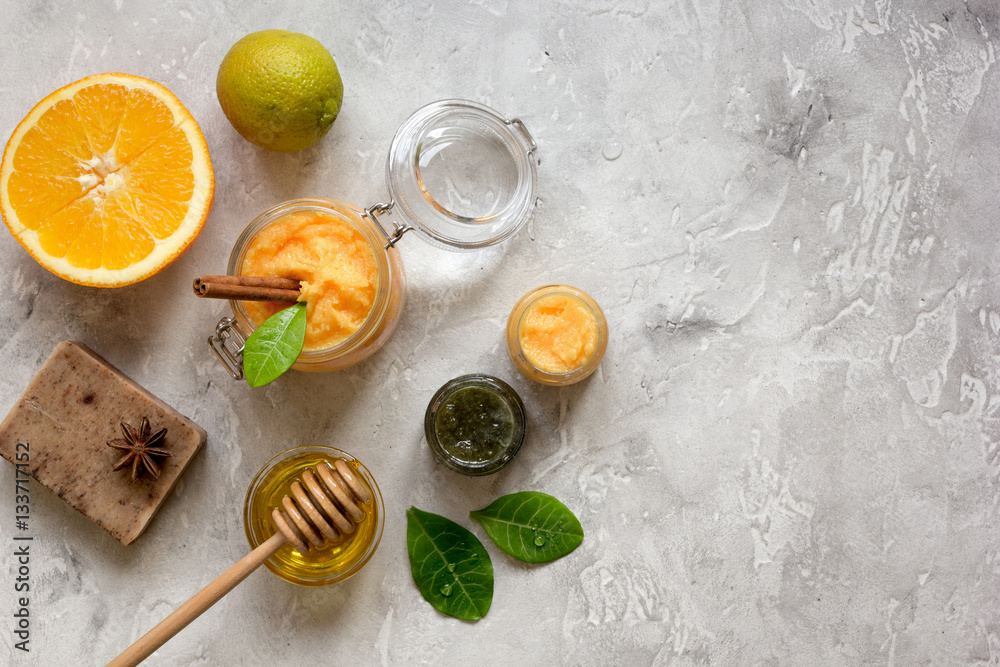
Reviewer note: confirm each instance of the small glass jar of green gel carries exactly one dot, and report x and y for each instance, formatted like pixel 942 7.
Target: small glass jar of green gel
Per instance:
pixel 475 424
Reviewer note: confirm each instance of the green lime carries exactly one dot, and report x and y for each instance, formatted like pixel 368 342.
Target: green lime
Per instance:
pixel 281 90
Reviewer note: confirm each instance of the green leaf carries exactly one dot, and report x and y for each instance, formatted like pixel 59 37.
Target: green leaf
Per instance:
pixel 531 526
pixel 275 345
pixel 449 565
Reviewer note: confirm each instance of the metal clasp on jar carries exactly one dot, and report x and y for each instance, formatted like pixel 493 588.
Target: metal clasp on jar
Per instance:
pixel 519 125
pixel 398 230
pixel 227 344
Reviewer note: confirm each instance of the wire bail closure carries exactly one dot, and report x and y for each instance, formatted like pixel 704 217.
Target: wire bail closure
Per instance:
pixel 398 230
pixel 228 344
pixel 519 125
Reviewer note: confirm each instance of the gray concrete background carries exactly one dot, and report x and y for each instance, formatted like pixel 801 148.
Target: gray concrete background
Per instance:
pixel 789 456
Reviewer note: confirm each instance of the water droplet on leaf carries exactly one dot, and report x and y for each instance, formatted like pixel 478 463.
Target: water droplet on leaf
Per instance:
pixel 539 540
pixel 446 590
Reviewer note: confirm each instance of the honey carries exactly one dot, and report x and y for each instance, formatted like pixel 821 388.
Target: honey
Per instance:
pixel 331 561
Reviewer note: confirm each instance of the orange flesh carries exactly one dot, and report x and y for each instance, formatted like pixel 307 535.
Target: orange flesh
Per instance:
pixel 333 260
pixel 559 334
pixel 102 177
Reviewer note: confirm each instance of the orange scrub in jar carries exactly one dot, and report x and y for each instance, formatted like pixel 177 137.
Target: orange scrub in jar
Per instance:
pixel 336 267
pixel 559 334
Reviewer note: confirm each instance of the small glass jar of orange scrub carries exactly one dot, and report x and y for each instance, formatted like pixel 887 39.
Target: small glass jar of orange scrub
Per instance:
pixel 557 335
pixel 458 172
pixel 331 561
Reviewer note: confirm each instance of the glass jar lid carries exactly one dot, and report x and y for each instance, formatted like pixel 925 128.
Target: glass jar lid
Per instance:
pixel 462 174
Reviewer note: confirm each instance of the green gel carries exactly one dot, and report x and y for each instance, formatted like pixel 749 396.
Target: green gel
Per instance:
pixel 474 425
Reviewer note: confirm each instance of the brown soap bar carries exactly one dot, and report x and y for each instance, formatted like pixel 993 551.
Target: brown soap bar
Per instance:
pixel 66 417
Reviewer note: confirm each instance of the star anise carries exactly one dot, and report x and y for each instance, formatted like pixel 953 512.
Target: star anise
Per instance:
pixel 140 448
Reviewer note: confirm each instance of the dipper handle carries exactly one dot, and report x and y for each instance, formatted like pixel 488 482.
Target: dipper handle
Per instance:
pixel 200 602
pixel 323 505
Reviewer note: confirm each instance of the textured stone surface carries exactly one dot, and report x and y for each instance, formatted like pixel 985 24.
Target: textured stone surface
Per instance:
pixel 789 213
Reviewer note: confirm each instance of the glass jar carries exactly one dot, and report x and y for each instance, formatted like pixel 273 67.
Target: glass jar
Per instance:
pixel 386 307
pixel 475 424
pixel 458 172
pixel 330 562
pixel 516 323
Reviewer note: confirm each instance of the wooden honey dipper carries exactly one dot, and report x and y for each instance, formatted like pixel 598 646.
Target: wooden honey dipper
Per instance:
pixel 323 505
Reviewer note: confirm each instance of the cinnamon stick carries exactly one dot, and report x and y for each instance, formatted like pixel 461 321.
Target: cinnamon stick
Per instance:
pixel 247 288
pixel 251 281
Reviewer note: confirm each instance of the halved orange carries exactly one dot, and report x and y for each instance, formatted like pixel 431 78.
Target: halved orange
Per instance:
pixel 107 180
